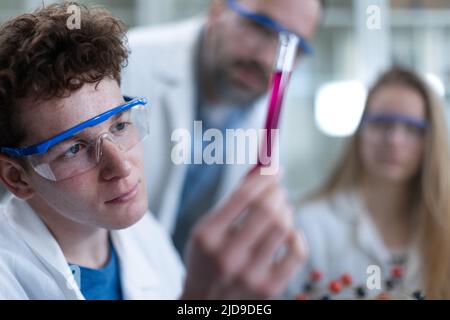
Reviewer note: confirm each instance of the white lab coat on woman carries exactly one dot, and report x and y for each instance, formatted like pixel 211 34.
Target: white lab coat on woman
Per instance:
pixel 32 265
pixel 343 239
pixel 162 68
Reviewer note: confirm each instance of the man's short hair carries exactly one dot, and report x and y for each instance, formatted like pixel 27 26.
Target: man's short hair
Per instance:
pixel 42 58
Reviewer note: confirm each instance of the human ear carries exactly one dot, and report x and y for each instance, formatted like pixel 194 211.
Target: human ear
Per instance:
pixel 13 176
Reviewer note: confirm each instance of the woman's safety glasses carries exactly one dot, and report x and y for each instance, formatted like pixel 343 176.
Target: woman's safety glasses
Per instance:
pixel 383 123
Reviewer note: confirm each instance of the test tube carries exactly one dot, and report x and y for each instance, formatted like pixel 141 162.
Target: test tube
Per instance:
pixel 287 51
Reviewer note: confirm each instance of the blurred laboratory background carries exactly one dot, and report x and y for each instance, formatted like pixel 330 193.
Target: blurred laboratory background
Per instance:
pixel 328 90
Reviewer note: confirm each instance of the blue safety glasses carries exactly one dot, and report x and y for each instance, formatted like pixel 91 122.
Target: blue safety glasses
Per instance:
pixel 391 117
pixel 384 122
pixel 263 20
pixel 79 149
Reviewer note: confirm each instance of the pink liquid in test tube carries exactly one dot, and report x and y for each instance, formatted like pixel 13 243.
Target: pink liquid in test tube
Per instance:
pixel 279 84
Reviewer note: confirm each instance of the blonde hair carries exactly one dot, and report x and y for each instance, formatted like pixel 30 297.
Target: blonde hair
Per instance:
pixel 430 189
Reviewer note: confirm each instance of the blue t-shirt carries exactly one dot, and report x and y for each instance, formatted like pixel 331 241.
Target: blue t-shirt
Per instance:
pixel 101 284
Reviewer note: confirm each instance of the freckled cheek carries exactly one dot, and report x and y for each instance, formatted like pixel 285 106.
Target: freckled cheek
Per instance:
pixel 136 158
pixel 83 188
pixel 137 161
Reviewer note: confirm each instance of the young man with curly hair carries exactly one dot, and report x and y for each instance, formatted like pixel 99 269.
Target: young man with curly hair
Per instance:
pixel 71 155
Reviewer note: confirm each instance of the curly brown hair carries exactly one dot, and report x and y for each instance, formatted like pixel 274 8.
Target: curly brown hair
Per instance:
pixel 41 58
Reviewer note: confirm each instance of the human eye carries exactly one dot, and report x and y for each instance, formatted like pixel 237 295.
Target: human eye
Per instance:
pixel 378 125
pixel 120 127
pixel 263 30
pixel 73 150
pixel 414 130
pixel 259 28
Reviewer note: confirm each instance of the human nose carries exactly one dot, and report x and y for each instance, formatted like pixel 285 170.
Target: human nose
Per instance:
pixel 112 159
pixel 395 135
pixel 268 58
pixel 266 52
pixel 263 48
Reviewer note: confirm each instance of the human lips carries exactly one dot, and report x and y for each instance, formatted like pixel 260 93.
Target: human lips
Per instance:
pixel 391 160
pixel 125 196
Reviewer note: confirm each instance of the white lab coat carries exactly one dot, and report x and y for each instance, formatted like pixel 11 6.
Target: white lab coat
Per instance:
pixel 32 265
pixel 161 67
pixel 342 239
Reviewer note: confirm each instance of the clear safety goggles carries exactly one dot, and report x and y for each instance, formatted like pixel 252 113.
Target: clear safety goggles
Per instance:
pixel 77 150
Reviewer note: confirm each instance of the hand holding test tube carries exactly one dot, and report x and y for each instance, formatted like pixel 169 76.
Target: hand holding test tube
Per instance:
pixel 243 254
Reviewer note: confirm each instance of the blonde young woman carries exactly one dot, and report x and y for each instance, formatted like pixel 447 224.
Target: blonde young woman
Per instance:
pixel 381 222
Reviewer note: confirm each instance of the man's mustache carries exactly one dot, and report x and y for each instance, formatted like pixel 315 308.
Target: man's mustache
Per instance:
pixel 254 67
